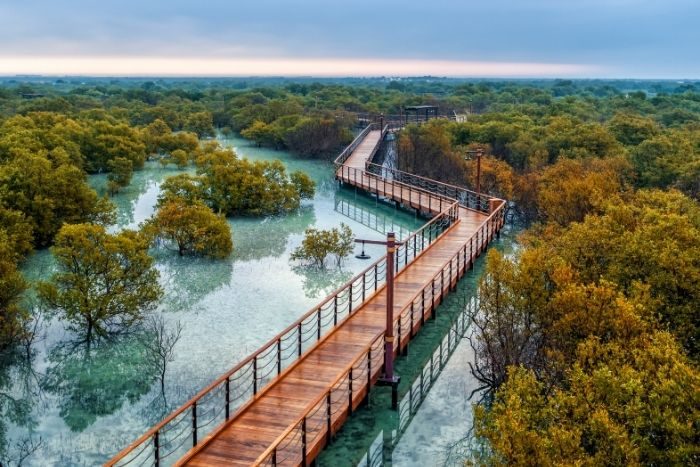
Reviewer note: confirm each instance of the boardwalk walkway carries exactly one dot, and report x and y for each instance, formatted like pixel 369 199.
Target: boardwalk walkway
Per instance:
pixel 290 419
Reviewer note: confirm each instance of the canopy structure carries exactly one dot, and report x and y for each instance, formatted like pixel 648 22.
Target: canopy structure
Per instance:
pixel 419 113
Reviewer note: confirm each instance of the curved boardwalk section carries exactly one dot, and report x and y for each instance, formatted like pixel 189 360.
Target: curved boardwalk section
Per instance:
pixel 288 420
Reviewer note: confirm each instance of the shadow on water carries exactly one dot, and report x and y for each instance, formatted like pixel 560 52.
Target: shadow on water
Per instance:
pixel 187 280
pixel 320 282
pixel 255 239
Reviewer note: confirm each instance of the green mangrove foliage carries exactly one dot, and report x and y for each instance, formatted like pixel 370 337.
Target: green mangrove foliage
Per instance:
pixel 105 282
pixel 239 187
pixel 319 244
pixel 190 228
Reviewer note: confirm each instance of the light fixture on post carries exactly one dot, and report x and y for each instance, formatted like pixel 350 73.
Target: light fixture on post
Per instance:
pixel 389 378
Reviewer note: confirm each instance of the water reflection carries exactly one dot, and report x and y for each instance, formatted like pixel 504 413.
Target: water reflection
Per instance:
pixel 135 203
pixel 320 282
pixel 358 210
pixel 87 405
pixel 95 381
pixel 19 392
pixel 255 239
pixel 187 280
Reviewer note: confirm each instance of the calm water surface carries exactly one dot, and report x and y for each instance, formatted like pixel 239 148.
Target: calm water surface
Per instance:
pixel 74 407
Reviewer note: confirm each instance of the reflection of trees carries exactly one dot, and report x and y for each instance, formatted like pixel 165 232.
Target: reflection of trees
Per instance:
pixel 19 391
pixel 320 282
pixel 374 217
pixel 186 279
pixel 95 382
pixel 256 238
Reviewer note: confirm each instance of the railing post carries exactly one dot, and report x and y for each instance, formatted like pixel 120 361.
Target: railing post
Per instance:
pixel 364 286
pixel 369 372
pixel 350 392
pixel 399 336
pixel 156 448
pixel 442 284
pixel 329 422
pixel 412 321
pixel 194 423
pixel 471 252
pixel 464 261
pixel 303 442
pixel 299 332
pixel 422 306
pixel 255 375
pixel 279 356
pixel 376 277
pixel 228 397
pixel 450 286
pixel 318 324
pixel 349 299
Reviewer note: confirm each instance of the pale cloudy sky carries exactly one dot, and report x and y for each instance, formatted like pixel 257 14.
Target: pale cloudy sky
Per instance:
pixel 500 38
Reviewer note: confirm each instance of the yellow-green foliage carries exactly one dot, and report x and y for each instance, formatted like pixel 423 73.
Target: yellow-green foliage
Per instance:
pixel 191 229
pixel 104 282
pixel 318 244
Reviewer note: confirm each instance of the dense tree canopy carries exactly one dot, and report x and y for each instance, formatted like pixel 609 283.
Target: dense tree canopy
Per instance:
pixel 105 283
pixel 191 228
pixel 234 186
pixel 589 339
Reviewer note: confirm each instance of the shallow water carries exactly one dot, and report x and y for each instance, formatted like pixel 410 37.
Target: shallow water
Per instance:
pixel 80 407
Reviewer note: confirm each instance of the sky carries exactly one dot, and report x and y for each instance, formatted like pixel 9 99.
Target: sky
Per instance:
pixel 467 38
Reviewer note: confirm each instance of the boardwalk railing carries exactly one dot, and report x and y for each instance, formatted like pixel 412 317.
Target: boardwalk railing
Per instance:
pixel 412 195
pixel 218 402
pixel 321 419
pixel 467 198
pixel 381 224
pixel 343 156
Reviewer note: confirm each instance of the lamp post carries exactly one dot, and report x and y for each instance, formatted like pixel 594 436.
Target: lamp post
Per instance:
pixel 389 378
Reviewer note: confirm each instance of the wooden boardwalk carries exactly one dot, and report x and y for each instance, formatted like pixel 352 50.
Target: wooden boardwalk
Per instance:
pixel 292 418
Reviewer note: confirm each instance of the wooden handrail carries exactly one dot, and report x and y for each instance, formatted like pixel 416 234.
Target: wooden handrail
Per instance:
pixel 313 404
pixel 369 164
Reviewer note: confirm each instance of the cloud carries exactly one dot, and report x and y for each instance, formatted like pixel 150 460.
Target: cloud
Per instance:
pixel 636 36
